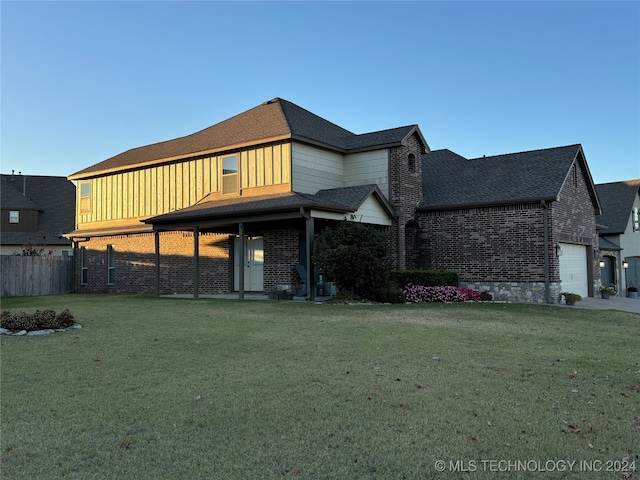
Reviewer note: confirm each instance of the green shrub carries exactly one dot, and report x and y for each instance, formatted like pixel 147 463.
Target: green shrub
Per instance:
pixel 485 296
pixel 426 278
pixel 390 295
pixel 345 296
pixel 40 320
pixel 355 256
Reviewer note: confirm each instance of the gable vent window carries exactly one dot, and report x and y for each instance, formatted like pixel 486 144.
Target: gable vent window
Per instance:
pixel 85 197
pixel 14 216
pixel 411 162
pixel 575 175
pixel 230 174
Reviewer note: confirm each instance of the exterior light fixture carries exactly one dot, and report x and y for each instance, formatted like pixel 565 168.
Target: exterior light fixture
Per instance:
pixel 558 251
pixel 602 263
pixel 625 265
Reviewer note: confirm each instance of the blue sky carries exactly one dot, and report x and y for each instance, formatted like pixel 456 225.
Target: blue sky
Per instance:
pixel 83 81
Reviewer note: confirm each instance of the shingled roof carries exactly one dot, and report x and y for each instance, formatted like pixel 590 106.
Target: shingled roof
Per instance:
pixel 341 200
pixel 452 181
pixel 54 197
pixel 617 202
pixel 274 120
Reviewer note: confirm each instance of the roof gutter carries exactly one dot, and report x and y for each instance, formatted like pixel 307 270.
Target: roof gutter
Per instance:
pixel 519 201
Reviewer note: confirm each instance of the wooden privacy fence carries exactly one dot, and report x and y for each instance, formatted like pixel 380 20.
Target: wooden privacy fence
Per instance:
pixel 31 276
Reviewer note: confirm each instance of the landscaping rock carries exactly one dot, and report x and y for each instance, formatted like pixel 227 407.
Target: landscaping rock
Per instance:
pixel 4 331
pixel 41 332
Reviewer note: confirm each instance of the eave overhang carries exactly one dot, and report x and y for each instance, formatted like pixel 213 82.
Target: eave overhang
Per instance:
pixel 517 201
pixel 203 153
pixel 108 231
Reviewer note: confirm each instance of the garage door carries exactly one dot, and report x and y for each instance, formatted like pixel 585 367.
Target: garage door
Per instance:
pixel 573 269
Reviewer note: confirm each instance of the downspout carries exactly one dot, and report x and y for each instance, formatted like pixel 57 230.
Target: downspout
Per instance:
pixel 545 226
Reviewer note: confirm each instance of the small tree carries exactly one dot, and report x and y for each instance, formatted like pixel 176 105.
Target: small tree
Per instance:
pixel 355 256
pixel 30 250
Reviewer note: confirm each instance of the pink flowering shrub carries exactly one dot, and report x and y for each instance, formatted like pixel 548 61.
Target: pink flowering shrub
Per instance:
pixel 419 294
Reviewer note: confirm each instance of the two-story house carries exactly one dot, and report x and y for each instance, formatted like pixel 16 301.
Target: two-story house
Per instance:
pixel 620 233
pixel 235 207
pixel 35 212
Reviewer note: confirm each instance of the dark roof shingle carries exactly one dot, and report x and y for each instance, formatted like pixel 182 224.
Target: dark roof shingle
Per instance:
pixel 617 203
pixel 450 180
pixel 275 119
pixel 347 199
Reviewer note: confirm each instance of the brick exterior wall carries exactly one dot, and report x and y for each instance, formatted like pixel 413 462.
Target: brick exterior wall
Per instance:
pixel 573 221
pixel 135 264
pixel 281 253
pixel 489 244
pixel 405 192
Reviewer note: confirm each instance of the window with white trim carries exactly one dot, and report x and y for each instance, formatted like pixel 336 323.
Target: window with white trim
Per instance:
pixel 230 174
pixel 14 216
pixel 85 197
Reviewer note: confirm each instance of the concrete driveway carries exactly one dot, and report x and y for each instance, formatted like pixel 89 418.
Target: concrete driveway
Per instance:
pixel 623 304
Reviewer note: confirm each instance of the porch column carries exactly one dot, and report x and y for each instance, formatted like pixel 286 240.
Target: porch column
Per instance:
pixel 240 255
pixel 196 257
pixel 157 249
pixel 309 233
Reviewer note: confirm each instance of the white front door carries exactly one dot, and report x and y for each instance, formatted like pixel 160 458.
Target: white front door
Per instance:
pixel 251 260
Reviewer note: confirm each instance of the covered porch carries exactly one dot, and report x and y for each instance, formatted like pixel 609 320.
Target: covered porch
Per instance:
pixel 271 237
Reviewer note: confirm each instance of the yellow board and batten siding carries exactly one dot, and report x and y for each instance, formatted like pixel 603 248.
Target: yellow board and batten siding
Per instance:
pixel 118 197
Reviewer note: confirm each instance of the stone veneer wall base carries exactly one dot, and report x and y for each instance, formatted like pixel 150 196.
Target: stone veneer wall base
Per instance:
pixel 515 292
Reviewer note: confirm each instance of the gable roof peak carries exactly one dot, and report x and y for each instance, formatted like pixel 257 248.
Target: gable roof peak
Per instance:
pixel 514 155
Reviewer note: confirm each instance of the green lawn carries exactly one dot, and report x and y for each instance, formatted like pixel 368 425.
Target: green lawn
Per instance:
pixel 164 388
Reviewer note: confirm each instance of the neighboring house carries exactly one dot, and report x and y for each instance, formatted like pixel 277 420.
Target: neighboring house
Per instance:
pixel 36 211
pixel 235 207
pixel 620 233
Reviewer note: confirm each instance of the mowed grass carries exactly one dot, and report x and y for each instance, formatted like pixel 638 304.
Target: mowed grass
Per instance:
pixel 161 388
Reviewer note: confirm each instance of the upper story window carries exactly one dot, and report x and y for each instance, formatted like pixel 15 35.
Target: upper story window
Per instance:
pixel 14 216
pixel 230 174
pixel 411 162
pixel 85 197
